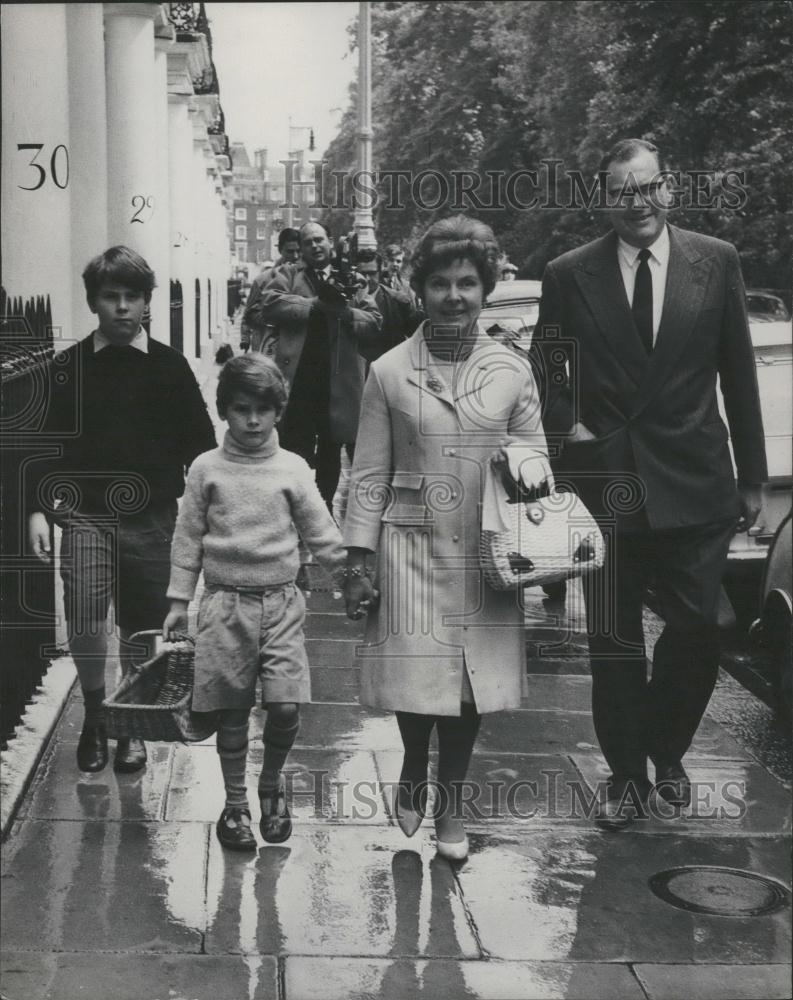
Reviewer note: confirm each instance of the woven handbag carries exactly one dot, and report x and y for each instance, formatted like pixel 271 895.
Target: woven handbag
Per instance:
pixel 153 701
pixel 527 543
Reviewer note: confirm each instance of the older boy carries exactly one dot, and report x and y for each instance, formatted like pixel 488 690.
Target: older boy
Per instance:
pixel 125 437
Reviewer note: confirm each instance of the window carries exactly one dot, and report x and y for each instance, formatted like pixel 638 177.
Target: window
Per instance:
pixel 241 213
pixel 261 215
pixel 241 249
pixel 240 232
pixel 261 232
pixel 262 254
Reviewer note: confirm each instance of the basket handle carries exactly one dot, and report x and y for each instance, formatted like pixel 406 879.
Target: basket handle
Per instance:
pixel 147 633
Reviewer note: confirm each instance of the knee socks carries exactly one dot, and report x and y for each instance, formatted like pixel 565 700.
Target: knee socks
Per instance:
pixel 232 746
pixel 278 741
pixel 94 713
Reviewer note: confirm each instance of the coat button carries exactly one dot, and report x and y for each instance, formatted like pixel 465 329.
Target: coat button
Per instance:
pixel 455 538
pixel 452 452
pixel 454 496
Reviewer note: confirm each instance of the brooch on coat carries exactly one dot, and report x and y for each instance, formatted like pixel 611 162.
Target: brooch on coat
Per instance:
pixel 434 384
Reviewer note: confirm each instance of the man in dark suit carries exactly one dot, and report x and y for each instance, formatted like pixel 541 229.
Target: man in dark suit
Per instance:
pixel 634 329
pixel 401 315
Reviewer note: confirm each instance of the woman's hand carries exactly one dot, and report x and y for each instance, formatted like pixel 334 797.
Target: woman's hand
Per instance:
pixel 527 468
pixel 175 625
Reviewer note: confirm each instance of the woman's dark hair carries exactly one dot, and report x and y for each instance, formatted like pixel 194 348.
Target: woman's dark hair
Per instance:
pixel 118 265
pixel 254 374
pixel 453 239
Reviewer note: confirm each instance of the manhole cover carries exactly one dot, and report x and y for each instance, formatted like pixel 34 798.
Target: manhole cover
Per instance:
pixel 726 892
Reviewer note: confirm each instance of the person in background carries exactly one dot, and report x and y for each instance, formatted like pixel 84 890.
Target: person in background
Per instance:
pixel 393 276
pixel 244 505
pixel 635 329
pixel 398 309
pixel 127 425
pixel 442 647
pixel 253 330
pixel 316 341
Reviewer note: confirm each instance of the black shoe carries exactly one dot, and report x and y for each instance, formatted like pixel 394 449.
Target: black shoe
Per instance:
pixel 276 823
pixel 673 784
pixel 624 803
pixel 233 833
pixel 130 755
pixel 92 748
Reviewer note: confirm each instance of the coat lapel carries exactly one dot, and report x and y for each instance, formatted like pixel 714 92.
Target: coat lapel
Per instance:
pixel 686 283
pixel 423 373
pixel 599 278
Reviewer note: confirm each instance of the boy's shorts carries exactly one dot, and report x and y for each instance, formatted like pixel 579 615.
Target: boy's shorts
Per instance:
pixel 125 558
pixel 243 634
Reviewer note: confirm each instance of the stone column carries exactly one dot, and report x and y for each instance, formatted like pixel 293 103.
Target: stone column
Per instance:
pixel 85 44
pixel 131 127
pixel 182 204
pixel 161 314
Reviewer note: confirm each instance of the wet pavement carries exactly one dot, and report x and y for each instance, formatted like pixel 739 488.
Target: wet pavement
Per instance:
pixel 114 886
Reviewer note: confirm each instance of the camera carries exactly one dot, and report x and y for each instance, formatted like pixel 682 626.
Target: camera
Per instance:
pixel 344 282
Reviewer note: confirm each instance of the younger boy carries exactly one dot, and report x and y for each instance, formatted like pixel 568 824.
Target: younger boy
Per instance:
pixel 128 417
pixel 244 505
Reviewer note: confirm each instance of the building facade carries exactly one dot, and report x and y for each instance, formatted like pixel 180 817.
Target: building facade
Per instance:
pixel 112 133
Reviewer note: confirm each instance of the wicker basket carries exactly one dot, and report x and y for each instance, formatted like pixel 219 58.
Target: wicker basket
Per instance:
pixel 153 701
pixel 543 541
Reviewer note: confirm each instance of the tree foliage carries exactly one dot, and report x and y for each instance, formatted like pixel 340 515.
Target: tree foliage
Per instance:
pixel 505 87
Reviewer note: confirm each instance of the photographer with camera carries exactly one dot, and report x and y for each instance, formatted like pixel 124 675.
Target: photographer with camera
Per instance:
pixel 321 319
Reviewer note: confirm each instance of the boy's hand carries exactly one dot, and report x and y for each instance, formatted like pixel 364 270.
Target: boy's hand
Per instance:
pixel 175 624
pixel 39 537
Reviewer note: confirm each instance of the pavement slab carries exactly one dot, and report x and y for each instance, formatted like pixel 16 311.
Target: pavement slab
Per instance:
pixel 569 896
pixel 349 891
pixel 63 792
pixel 77 975
pixel 119 886
pixel 443 979
pixel 728 798
pixel 715 982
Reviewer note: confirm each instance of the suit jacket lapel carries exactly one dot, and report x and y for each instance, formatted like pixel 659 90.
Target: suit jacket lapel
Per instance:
pixel 601 284
pixel 686 282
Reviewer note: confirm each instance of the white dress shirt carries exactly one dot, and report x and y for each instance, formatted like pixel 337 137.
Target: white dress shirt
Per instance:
pixel 658 262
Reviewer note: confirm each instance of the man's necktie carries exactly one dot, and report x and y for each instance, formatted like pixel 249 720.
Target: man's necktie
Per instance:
pixel 643 302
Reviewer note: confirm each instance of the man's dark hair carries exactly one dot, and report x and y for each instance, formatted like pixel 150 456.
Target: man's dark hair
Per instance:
pixel 288 236
pixel 625 150
pixel 393 249
pixel 118 265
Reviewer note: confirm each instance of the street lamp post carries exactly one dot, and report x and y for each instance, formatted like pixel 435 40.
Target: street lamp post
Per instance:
pixel 363 221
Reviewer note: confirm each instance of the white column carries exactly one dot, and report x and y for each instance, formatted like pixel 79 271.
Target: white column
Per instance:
pixel 131 127
pixel 85 43
pixel 364 225
pixel 160 311
pixel 180 188
pixel 36 189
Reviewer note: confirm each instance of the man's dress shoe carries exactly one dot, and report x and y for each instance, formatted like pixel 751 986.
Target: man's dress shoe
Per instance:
pixel 673 784
pixel 130 755
pixel 625 802
pixel 92 748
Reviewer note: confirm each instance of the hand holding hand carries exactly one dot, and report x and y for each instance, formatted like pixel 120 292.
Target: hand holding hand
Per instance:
pixel 360 596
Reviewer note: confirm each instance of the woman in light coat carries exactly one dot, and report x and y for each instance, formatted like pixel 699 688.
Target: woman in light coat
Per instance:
pixel 441 646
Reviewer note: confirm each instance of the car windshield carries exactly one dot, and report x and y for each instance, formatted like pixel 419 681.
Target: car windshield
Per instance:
pixel 766 308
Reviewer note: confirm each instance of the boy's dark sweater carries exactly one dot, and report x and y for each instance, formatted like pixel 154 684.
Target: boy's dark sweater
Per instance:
pixel 120 417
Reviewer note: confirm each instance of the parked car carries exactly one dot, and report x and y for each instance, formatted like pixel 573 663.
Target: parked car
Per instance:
pixel 773 630
pixel 772 336
pixel 510 312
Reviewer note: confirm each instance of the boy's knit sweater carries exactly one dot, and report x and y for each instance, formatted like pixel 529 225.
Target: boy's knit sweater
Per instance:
pixel 240 517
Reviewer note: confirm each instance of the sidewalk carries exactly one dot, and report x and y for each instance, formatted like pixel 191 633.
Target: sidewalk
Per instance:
pixel 114 886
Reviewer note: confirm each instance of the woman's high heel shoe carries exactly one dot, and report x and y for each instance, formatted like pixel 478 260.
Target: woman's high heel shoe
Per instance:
pixel 455 851
pixel 409 819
